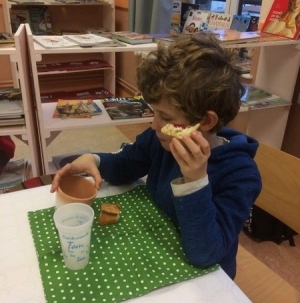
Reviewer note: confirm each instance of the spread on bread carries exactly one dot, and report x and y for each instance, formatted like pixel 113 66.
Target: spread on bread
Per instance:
pixel 109 213
pixel 178 131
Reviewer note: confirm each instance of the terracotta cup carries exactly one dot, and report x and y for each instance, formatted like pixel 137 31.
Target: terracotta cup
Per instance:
pixel 74 189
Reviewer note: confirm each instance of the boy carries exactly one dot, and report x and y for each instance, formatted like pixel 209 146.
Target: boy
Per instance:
pixel 207 182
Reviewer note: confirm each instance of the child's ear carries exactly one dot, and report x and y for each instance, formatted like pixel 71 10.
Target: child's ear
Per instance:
pixel 209 121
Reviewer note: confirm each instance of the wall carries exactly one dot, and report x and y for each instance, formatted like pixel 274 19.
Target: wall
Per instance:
pixel 291 140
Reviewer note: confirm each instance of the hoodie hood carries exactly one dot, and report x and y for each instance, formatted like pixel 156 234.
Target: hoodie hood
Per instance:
pixel 239 143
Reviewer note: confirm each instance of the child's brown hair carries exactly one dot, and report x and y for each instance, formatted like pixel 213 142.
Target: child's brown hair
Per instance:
pixel 195 74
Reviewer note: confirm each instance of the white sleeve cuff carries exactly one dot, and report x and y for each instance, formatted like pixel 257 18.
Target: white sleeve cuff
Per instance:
pixel 97 159
pixel 181 189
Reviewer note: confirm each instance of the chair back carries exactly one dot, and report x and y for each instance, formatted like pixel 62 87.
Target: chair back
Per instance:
pixel 280 195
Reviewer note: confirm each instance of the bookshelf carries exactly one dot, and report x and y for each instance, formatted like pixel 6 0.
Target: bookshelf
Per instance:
pixel 27 133
pixel 50 127
pixel 277 69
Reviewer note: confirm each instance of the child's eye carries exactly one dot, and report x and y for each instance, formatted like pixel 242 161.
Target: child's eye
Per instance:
pixel 166 119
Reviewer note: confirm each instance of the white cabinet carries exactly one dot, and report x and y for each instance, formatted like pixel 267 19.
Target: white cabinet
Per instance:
pixel 28 133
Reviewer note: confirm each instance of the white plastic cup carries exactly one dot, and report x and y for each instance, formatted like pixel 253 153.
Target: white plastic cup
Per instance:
pixel 74 224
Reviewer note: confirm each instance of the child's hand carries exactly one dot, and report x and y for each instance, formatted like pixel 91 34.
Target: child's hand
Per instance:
pixel 192 155
pixel 83 164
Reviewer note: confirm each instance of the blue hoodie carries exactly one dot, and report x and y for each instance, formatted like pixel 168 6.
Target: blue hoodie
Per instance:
pixel 210 219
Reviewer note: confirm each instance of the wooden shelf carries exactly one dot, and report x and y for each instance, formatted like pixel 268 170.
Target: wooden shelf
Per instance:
pixel 55 124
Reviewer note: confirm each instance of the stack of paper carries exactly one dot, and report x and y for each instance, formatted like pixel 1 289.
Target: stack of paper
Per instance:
pixel 11 107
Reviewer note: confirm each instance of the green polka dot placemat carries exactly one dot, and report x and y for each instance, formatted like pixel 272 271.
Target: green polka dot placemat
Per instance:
pixel 140 253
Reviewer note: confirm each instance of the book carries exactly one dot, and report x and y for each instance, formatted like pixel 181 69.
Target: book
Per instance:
pixel 131 37
pixel 176 16
pixel 100 31
pixel 6 38
pixel 219 20
pixel 255 98
pixel 127 108
pixel 61 160
pixel 196 21
pixel 40 21
pixel 73 66
pixel 18 16
pixel 180 13
pixel 185 9
pixel 79 108
pixel 227 36
pixel 283 19
pixel 240 23
pixel 253 24
pixel 49 41
pixel 88 40
pixel 13 173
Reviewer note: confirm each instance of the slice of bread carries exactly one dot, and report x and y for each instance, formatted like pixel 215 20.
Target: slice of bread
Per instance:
pixel 178 131
pixel 109 213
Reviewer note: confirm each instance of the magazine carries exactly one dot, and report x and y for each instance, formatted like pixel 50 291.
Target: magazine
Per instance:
pixel 127 108
pixel 283 19
pixel 273 101
pixel 132 37
pixel 256 98
pixel 254 93
pixel 13 173
pixel 88 40
pixel 10 94
pixel 54 41
pixel 80 108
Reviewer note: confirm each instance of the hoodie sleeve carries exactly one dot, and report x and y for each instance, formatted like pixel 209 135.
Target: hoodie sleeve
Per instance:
pixel 130 163
pixel 211 218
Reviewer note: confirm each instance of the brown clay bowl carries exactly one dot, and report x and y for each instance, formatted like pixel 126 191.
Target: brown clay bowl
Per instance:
pixel 75 189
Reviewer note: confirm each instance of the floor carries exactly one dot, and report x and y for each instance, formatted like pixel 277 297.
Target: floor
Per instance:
pixel 283 259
